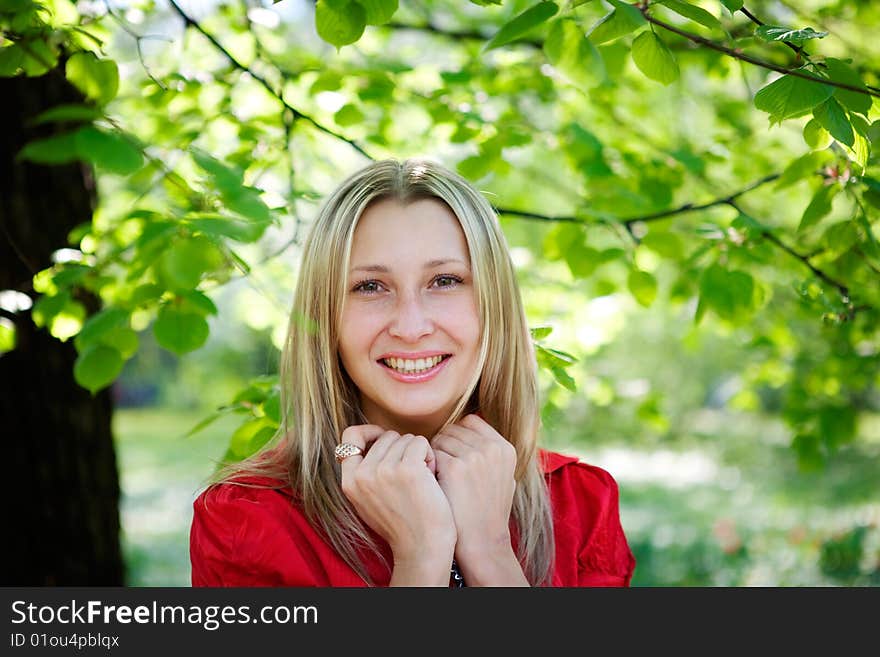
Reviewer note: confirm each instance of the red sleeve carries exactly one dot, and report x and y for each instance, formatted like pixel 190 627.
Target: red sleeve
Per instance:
pixel 243 536
pixel 604 558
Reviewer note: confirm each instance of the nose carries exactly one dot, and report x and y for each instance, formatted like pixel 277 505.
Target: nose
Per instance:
pixel 411 320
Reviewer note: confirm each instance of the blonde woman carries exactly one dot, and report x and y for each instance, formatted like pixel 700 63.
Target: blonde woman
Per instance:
pixel 408 453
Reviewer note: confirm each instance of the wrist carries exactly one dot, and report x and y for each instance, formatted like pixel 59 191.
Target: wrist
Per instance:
pixel 425 568
pixel 493 564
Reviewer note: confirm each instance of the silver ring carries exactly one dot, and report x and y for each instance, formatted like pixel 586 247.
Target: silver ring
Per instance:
pixel 344 450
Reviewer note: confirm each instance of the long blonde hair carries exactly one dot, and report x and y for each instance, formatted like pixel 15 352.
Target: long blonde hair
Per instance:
pixel 319 400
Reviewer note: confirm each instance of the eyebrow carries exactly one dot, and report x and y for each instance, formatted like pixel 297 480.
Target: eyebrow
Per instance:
pixel 428 265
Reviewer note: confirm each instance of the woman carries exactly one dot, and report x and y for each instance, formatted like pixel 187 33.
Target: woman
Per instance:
pixel 408 447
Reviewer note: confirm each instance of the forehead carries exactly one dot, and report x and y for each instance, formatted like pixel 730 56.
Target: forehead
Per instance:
pixel 424 228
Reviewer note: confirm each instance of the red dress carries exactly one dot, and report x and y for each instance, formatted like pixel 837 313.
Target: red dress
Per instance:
pixel 245 536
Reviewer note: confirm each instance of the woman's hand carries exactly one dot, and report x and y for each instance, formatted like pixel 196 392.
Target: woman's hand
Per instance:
pixel 475 469
pixel 394 490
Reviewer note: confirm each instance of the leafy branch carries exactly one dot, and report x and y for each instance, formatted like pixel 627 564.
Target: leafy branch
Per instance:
pixel 740 55
pixel 729 200
pixel 191 22
pixel 630 221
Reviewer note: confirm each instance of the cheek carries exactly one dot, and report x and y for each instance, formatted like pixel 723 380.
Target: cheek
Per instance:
pixel 357 331
pixel 464 322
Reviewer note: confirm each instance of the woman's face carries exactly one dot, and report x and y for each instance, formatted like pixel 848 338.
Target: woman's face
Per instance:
pixel 410 330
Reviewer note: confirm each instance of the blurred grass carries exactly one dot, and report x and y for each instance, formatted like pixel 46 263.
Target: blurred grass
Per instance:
pixel 161 471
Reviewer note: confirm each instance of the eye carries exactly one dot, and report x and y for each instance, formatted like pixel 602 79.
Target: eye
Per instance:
pixel 367 287
pixel 447 280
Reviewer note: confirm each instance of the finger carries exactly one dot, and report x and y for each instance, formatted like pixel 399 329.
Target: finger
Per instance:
pixel 455 441
pixel 394 453
pixel 359 435
pixel 380 447
pixel 419 449
pixel 476 423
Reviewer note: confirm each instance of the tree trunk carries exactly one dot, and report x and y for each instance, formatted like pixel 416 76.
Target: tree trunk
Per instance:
pixel 61 524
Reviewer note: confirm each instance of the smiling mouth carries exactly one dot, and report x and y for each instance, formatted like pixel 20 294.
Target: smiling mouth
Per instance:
pixel 412 367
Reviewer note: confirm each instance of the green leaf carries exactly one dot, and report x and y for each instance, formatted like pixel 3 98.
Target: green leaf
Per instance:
pixel 622 20
pixel 98 325
pixel 840 71
pixel 643 286
pixel 833 118
pixel 729 293
pixel 805 166
pixel 776 33
pixel 837 425
pixel 861 150
pixel 97 79
pixel 871 191
pixel 819 207
pixel 581 259
pixel 108 150
pixel 251 436
pixel 48 306
pixel 791 96
pixel 569 50
pixel 378 12
pixel 7 335
pixel 654 58
pixel 67 113
pixel 272 406
pixel 540 332
pixel 548 356
pixel 340 26
pixel 696 14
pixel 207 422
pixel 348 115
pixel 523 23
pixel 236 228
pixel 246 201
pixel 97 367
pixel 816 137
pixel 58 149
pixel 182 265
pixel 11 60
pixel 809 454
pixel 180 332
pixel 666 244
pixel 732 5
pixel 225 177
pixel 39 57
pixel 123 339
pixel 839 237
pixel 563 378
pixel 197 302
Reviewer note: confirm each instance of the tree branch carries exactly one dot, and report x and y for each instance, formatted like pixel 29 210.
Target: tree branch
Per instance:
pixel 690 207
pixel 738 54
pixel 843 289
pixel 629 221
pixel 189 22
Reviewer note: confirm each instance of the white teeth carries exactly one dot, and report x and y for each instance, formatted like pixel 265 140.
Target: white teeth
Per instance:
pixel 412 366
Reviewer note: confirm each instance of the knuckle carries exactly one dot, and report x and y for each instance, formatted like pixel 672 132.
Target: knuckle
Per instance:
pixel 349 488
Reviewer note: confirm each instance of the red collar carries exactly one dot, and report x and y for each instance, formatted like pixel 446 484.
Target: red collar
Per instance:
pixel 552 461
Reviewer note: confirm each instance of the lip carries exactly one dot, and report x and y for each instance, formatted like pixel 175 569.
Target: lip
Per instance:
pixel 414 355
pixel 415 378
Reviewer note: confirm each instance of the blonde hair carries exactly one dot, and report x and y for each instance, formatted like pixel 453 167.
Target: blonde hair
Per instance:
pixel 318 400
